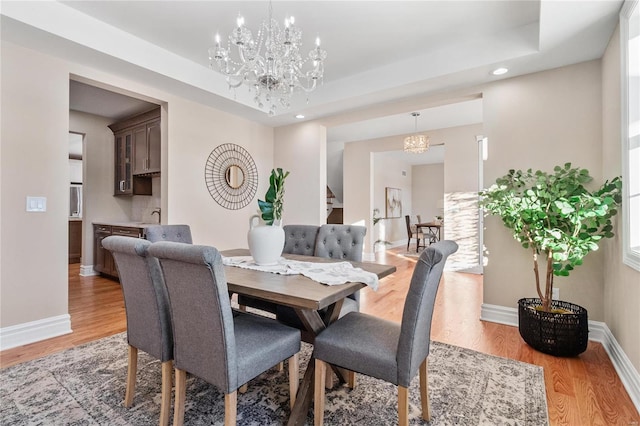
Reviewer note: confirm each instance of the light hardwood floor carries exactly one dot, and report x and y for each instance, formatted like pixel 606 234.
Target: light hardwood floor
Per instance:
pixel 580 391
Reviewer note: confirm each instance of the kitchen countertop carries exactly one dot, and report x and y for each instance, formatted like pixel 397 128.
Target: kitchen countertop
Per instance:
pixel 124 224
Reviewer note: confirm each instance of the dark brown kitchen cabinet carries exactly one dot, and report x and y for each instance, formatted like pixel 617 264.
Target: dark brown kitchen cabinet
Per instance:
pixel 123 158
pixel 75 241
pixel 137 153
pixel 147 148
pixel 102 259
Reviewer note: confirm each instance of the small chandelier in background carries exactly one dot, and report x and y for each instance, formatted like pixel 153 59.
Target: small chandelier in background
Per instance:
pixel 271 64
pixel 416 143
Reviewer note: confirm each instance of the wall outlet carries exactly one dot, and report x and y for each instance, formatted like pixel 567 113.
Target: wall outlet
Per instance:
pixel 555 294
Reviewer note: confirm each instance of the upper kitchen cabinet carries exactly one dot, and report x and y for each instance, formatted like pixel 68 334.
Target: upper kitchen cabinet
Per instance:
pixel 123 157
pixel 137 153
pixel 146 149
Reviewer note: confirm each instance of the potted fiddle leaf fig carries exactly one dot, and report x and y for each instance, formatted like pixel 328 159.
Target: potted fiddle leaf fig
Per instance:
pixel 559 220
pixel 266 242
pixel 272 205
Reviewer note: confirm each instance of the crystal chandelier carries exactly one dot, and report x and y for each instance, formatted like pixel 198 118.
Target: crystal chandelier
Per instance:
pixel 271 64
pixel 416 143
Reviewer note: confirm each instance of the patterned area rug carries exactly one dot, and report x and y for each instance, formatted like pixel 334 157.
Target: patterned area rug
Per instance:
pixel 85 386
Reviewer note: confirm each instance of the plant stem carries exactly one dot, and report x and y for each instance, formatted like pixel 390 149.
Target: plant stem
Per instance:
pixel 546 302
pixel 537 273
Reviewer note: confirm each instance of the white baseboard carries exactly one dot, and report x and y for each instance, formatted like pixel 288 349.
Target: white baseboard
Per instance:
pixel 499 314
pixel 87 271
pixel 398 243
pixel 629 376
pixel 34 331
pixel 598 332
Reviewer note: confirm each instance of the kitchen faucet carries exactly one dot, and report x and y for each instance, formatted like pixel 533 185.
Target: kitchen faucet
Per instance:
pixel 157 210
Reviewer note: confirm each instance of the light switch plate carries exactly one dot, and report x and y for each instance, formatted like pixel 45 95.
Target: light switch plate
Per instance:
pixel 36 204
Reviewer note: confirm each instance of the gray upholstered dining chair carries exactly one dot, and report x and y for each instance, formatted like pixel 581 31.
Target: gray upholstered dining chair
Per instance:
pixel 383 349
pixel 176 233
pixel 211 342
pixel 340 242
pixel 147 310
pixel 298 239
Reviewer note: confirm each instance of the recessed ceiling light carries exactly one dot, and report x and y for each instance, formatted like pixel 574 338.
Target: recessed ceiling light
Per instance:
pixel 299 116
pixel 500 71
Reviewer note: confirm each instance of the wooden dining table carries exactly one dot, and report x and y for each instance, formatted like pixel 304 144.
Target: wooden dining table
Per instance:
pixel 306 297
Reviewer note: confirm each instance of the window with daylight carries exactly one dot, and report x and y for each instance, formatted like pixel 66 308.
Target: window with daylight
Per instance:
pixel 630 44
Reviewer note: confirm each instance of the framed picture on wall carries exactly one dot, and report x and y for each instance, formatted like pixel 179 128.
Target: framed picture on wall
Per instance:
pixel 393 197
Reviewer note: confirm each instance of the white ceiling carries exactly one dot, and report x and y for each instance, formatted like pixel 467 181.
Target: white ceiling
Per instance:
pixel 379 52
pixel 91 99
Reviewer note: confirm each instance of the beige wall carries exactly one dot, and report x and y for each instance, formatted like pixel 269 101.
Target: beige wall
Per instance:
pixel 427 190
pixel 335 152
pixel 302 150
pixel 193 132
pixel 387 172
pixel 539 121
pixel 621 282
pixel 35 126
pixel 35 162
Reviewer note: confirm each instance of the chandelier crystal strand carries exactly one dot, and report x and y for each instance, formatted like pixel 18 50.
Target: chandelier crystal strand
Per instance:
pixel 416 144
pixel 271 65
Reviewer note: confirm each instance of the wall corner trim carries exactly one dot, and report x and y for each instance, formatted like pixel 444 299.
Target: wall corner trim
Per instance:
pixel 87 271
pixel 29 332
pixel 598 332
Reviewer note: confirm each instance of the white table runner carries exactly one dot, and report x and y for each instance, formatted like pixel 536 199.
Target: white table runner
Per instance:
pixel 332 273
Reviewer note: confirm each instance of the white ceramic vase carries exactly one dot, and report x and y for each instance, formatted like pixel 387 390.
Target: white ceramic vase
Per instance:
pixel 265 242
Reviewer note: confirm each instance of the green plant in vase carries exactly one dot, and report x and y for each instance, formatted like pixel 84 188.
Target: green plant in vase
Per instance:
pixel 554 216
pixel 272 206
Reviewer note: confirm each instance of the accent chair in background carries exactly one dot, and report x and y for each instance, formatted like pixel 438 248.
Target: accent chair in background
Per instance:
pixel 176 233
pixel 413 232
pixel 340 242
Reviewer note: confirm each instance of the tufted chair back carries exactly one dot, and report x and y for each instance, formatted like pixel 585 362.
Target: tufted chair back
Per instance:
pixel 340 242
pixel 300 239
pixel 343 242
pixel 146 303
pixel 174 233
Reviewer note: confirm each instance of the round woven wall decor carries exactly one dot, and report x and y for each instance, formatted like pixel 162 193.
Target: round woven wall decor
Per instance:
pixel 231 176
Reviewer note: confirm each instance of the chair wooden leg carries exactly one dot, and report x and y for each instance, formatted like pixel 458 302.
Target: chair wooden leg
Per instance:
pixel 243 389
pixel 230 408
pixel 178 410
pixel 294 369
pixel 424 391
pixel 351 379
pixel 403 406
pixel 131 376
pixel 328 377
pixel 318 389
pixel 165 405
pixel 280 366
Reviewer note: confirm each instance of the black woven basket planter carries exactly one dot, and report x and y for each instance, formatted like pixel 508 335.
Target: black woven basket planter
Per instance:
pixel 554 333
